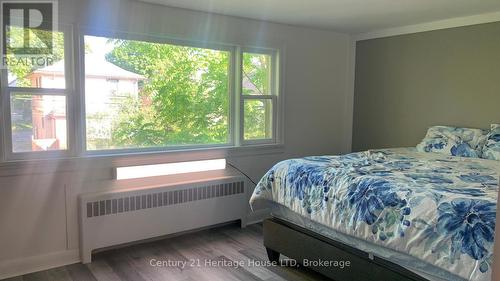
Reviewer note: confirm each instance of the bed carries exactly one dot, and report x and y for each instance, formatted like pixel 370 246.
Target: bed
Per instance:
pixel 398 213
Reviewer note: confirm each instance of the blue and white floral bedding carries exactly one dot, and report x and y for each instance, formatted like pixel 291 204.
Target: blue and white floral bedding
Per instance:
pixel 491 149
pixel 436 208
pixel 454 141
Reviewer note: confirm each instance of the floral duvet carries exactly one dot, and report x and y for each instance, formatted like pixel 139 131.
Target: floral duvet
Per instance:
pixel 438 209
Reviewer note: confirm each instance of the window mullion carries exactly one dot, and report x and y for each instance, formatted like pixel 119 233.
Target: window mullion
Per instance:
pixel 257 97
pixel 79 97
pixel 237 127
pixel 38 91
pixel 275 124
pixel 7 125
pixel 70 89
pixel 3 113
pixel 234 97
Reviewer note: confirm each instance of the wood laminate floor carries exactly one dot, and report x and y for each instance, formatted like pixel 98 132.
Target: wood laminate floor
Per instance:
pixel 223 253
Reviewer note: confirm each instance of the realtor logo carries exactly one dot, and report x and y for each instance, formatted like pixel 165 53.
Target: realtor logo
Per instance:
pixel 27 28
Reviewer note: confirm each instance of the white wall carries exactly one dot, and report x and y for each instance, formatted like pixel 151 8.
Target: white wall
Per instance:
pixel 38 215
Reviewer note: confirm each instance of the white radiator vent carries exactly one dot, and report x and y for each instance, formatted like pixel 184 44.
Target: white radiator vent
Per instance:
pixel 111 218
pixel 157 200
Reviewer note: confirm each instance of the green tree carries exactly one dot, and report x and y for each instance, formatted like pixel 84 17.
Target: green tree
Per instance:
pixel 257 81
pixel 184 100
pixel 20 68
pixel 257 74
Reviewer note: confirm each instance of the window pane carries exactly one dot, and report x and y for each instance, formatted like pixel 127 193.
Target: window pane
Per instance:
pixel 141 94
pixel 256 77
pixel 38 122
pixel 35 68
pixel 257 119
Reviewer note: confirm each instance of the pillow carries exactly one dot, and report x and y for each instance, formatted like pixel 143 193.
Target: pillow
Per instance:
pixel 463 142
pixel 491 149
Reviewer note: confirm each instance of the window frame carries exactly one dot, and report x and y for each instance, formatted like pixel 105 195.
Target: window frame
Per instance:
pixel 68 92
pixel 272 96
pixel 74 50
pixel 158 40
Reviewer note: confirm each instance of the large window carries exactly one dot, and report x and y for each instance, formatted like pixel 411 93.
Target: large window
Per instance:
pixel 138 93
pixel 142 94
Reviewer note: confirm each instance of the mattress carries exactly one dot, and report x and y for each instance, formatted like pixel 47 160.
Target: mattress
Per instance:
pixel 430 212
pixel 425 270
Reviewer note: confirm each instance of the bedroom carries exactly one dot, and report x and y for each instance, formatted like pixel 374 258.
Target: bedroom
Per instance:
pixel 142 136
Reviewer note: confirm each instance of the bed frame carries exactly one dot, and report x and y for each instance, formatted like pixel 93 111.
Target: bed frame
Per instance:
pixel 300 244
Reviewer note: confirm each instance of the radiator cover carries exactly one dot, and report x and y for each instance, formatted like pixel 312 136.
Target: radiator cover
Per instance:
pixel 117 217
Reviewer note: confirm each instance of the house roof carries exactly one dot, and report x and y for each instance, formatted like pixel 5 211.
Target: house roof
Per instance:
pixel 94 66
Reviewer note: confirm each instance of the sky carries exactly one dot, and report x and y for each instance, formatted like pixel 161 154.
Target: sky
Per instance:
pixel 98 45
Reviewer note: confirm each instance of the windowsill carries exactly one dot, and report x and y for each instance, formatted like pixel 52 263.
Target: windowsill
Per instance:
pixel 103 161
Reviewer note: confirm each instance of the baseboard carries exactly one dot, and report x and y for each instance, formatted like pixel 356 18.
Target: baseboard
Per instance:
pixel 21 266
pixel 258 216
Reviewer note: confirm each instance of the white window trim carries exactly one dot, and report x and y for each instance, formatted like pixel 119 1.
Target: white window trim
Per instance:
pixel 3 113
pixel 274 96
pixel 68 92
pixel 75 103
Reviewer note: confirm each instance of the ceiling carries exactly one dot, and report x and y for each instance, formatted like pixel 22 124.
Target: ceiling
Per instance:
pixel 350 16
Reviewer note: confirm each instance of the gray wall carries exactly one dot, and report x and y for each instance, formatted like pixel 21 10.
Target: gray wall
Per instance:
pixel 404 84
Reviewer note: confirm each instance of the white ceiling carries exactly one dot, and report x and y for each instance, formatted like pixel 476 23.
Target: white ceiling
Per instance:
pixel 351 16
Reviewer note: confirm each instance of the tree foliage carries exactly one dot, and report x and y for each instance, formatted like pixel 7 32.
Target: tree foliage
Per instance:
pixel 257 81
pixel 256 74
pixel 184 99
pixel 19 68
